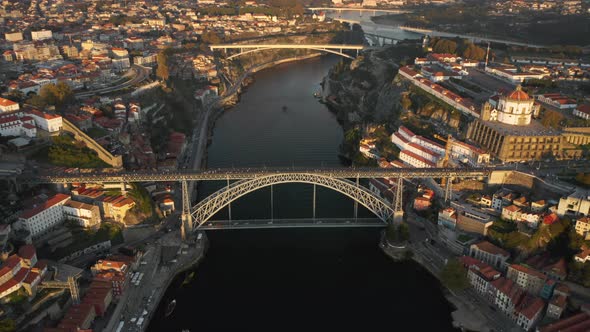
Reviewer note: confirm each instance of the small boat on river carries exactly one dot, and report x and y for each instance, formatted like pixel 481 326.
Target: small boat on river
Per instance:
pixel 170 308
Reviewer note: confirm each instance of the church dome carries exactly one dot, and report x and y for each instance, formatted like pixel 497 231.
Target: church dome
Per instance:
pixel 518 94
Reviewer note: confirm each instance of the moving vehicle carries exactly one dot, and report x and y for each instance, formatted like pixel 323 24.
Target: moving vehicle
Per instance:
pixel 170 308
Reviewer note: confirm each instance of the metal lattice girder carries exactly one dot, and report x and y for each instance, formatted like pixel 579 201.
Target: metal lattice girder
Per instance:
pixel 208 207
pixel 249 173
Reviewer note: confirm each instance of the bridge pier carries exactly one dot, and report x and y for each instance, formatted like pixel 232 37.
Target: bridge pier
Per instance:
pixel 448 189
pixel 356 204
pixel 314 193
pixel 272 204
pixel 228 205
pixel 398 211
pixel 186 219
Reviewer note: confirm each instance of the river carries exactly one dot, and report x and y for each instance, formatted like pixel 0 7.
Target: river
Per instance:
pixel 295 279
pixel 388 30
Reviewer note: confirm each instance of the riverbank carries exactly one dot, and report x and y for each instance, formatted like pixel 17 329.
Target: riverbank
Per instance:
pixel 157 277
pixel 190 261
pixel 236 89
pixel 214 111
pixel 462 316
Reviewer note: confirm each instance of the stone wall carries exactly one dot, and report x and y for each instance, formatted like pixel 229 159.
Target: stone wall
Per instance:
pixel 103 154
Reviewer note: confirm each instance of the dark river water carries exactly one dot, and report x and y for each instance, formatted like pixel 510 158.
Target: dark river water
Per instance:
pixel 295 279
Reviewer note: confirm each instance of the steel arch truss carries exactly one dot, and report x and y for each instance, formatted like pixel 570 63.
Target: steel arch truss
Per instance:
pixel 208 207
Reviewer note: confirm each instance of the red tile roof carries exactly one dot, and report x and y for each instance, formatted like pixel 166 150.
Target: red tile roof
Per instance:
pixel 530 306
pixel 417 157
pixel 519 95
pixel 43 115
pixel 491 248
pixel 579 322
pixel 528 271
pixel 6 102
pixel 27 251
pixel 57 198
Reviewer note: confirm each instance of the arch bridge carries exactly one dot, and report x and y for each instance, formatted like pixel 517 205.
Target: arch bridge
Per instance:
pixel 248 180
pixel 337 49
pixel 208 207
pixel 359 10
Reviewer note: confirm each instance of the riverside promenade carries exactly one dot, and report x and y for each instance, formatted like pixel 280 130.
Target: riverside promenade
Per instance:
pixel 472 312
pixel 142 301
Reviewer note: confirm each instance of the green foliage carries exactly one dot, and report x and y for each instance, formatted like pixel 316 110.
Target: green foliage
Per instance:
pixel 210 37
pixel 466 85
pixel 349 146
pixel 361 160
pixel 142 198
pixel 18 297
pixel 545 83
pixel 86 237
pixel 583 178
pixel 454 275
pixel 387 149
pixel 551 118
pixel 444 46
pixel 406 102
pixel 57 95
pixel 162 71
pixel 397 233
pixel 97 132
pixel 109 231
pixel 553 238
pixel 579 273
pixel 123 19
pixel 281 8
pixel 505 234
pixel 37 101
pixel 7 325
pixel 474 52
pixel 69 153
pixel 362 75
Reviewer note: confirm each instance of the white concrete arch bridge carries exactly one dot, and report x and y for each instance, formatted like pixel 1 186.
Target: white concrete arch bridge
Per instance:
pixel 337 49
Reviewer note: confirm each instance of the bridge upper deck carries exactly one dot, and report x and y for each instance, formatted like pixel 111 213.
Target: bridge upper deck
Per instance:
pixel 249 173
pixel 296 46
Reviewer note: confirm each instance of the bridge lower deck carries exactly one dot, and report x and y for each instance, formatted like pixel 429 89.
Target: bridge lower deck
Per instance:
pixel 292 223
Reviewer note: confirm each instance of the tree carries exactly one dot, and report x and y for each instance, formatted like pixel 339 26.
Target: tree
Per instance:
pixel 406 102
pixel 397 233
pixel 162 71
pixel 37 101
pixel 142 198
pixel 454 275
pixel 7 325
pixel 474 52
pixel 445 46
pixel 210 37
pixel 583 178
pixel 56 95
pixel 551 119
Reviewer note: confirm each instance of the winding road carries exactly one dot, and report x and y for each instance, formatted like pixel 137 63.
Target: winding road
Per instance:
pixel 140 74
